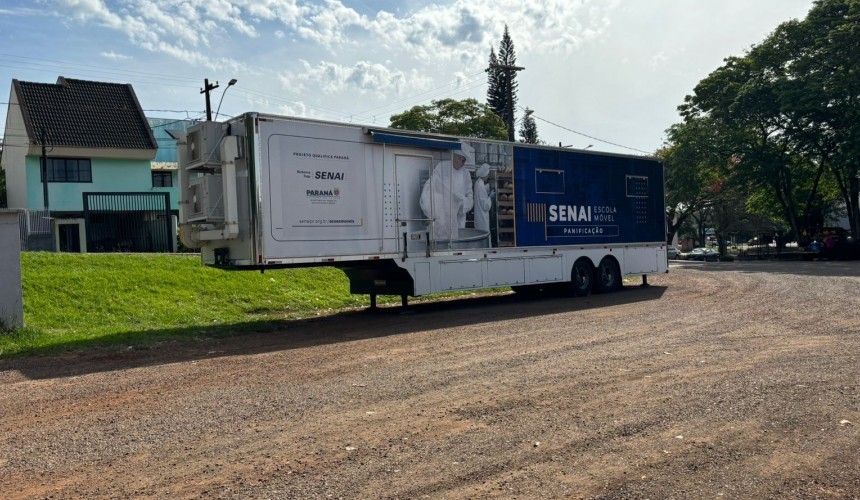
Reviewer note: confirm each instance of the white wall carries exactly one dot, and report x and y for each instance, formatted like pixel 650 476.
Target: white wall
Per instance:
pixel 15 148
pixel 11 295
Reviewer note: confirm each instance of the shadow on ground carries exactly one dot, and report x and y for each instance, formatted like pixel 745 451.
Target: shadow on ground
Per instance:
pixel 282 334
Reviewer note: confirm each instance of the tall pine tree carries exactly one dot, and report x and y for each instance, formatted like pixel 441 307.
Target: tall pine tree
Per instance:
pixel 496 98
pixel 528 129
pixel 502 82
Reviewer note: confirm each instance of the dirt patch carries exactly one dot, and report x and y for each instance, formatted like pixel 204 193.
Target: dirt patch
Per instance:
pixel 732 380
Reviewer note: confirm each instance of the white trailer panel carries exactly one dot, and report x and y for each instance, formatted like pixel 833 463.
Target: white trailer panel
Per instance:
pixel 302 192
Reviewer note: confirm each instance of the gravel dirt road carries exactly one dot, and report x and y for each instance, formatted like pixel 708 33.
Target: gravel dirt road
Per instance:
pixel 721 380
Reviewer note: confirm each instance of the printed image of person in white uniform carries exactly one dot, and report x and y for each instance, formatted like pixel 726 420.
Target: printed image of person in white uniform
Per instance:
pixel 483 198
pixel 447 195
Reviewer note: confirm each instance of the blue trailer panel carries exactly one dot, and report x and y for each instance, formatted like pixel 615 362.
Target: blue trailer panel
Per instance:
pixel 573 198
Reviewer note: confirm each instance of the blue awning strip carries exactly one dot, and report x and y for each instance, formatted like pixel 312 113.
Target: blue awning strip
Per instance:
pixel 412 141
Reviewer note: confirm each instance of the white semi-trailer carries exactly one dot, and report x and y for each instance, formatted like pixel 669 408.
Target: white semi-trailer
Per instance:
pixel 264 192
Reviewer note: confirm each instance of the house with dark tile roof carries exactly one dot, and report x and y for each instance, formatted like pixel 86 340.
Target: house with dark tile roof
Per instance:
pixel 165 165
pixel 81 152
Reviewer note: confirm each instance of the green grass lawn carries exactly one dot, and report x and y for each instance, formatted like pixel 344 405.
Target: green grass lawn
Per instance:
pixel 79 300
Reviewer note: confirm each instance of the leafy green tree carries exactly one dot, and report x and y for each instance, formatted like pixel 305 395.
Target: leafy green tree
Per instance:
pixel 792 103
pixel 728 212
pixel 744 98
pixel 467 118
pixel 692 159
pixel 822 92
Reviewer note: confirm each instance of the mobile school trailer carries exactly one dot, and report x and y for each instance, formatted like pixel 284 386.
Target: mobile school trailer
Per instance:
pixel 262 191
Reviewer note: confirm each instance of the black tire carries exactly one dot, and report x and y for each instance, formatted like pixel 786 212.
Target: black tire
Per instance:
pixel 581 278
pixel 607 276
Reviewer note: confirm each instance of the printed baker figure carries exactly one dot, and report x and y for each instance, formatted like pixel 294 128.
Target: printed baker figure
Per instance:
pixel 447 195
pixel 483 198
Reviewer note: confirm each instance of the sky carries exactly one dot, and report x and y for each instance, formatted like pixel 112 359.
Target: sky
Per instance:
pixel 606 74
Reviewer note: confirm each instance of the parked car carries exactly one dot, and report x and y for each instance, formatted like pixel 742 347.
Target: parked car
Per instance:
pixel 672 252
pixel 844 248
pixel 703 254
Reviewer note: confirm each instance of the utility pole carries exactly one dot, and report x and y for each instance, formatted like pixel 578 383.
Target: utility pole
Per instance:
pixel 508 70
pixel 44 168
pixel 205 90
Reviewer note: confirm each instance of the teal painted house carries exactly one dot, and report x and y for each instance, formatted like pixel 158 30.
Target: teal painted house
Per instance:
pixel 81 153
pixel 166 162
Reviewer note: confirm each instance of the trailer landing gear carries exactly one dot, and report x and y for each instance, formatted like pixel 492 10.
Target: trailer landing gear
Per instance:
pixel 404 301
pixel 644 281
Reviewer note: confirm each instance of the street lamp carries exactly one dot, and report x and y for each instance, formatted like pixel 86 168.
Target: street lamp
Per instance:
pixel 229 84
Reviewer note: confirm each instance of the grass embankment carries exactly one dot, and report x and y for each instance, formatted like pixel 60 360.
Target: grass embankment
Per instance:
pixel 80 300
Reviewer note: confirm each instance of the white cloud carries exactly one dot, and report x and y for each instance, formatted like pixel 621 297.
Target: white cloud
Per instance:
pixel 114 56
pixel 224 11
pixel 164 27
pixel 608 68
pixel 183 29
pixel 459 33
pixel 329 24
pixel 295 109
pixel 86 10
pixel 364 77
pixel 288 12
pixel 659 59
pixel 22 11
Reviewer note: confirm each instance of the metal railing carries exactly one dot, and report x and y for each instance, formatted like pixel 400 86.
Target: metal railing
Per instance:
pixel 36 229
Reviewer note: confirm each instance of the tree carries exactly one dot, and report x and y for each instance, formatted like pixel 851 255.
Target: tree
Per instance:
pixel 823 93
pixel 502 82
pixel 467 118
pixel 692 160
pixel 528 129
pixel 496 94
pixel 743 98
pixel 792 103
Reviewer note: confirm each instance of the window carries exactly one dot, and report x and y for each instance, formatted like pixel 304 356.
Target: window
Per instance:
pixel 69 170
pixel 162 178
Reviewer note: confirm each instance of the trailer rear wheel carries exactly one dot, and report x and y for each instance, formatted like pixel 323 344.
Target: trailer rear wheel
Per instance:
pixel 608 277
pixel 582 278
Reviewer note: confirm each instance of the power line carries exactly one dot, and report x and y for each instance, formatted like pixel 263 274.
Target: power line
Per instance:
pixel 97 106
pixel 161 125
pixel 141 78
pixel 29 64
pixel 468 78
pixel 420 103
pixel 591 136
pixel 361 117
pixel 148 78
pixel 273 97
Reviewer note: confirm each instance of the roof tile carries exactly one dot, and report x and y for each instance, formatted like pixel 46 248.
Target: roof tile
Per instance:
pixel 86 114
